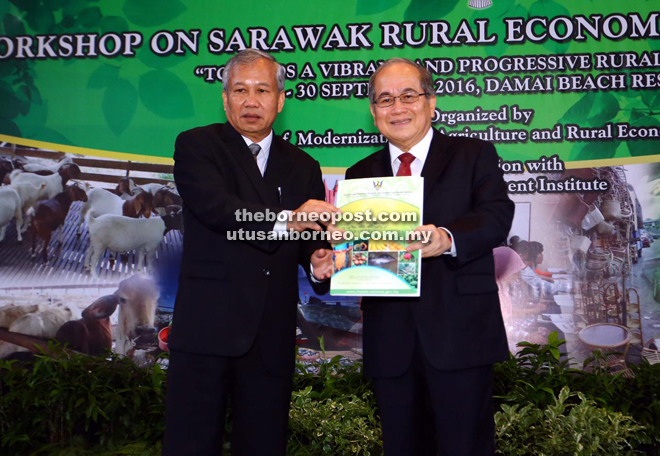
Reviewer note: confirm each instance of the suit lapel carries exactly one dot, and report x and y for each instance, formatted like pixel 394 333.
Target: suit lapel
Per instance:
pixel 277 170
pixel 239 150
pixel 439 155
pixel 382 167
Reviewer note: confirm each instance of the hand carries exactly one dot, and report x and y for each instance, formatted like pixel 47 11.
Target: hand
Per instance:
pixel 336 235
pixel 306 217
pixel 322 263
pixel 438 242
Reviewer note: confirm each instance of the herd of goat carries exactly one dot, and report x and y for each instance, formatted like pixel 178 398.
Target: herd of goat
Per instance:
pixel 130 217
pixel 39 195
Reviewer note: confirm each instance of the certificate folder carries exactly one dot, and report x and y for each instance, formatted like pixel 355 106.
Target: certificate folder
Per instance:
pixel 378 214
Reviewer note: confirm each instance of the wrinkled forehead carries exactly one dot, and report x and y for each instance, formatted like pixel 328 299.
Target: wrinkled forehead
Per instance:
pixel 396 79
pixel 260 71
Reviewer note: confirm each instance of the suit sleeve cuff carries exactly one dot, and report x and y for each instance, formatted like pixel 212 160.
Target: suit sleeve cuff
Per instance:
pixel 280 225
pixel 311 275
pixel 451 251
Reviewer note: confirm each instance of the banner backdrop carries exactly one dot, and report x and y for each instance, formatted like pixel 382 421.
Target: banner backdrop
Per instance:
pixel 576 79
pixel 567 91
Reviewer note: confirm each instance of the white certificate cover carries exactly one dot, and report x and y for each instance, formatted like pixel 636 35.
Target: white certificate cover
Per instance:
pixel 382 211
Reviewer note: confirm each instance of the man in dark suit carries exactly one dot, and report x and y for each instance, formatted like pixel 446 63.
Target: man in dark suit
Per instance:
pixel 431 357
pixel 234 323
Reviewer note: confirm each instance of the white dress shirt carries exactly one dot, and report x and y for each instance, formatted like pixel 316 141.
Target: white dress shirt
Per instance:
pixel 262 162
pixel 262 158
pixel 420 151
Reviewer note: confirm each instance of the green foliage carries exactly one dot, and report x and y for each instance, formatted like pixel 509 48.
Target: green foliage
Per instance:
pixel 495 14
pixel 79 448
pixel 322 345
pixel 374 6
pixel 90 17
pixel 421 10
pixel 643 119
pixel 595 108
pixel 18 93
pixel 40 20
pixel 74 7
pixel 562 428
pixel 178 102
pixel 550 8
pixel 105 400
pixel 534 375
pixel 639 108
pixel 115 24
pixel 594 150
pixel 120 102
pixel 103 76
pixel 411 279
pixel 13 25
pixel 537 375
pixel 651 99
pixel 333 410
pixel 159 62
pixel 79 405
pixel 330 379
pixel 344 425
pixel 143 13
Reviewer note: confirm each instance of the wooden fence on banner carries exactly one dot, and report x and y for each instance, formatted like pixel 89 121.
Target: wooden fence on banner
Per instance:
pixel 19 270
pixel 90 167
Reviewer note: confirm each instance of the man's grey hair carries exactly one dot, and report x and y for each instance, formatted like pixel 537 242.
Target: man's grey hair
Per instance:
pixel 425 78
pixel 249 56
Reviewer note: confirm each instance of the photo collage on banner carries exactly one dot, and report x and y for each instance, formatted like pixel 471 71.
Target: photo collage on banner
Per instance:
pixel 592 262
pixel 93 96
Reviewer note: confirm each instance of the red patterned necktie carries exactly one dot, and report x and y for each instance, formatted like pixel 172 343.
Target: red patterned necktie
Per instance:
pixel 406 159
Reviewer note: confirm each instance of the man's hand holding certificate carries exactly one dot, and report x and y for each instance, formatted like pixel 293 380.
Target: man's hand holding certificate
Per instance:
pixel 381 218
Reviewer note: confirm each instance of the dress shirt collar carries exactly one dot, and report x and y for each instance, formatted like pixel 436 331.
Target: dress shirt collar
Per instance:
pixel 262 158
pixel 264 144
pixel 419 150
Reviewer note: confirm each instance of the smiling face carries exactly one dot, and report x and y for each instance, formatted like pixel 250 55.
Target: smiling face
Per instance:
pixel 251 99
pixel 403 124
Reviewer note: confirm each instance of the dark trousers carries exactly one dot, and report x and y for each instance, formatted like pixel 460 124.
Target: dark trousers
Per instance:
pixel 198 389
pixel 427 412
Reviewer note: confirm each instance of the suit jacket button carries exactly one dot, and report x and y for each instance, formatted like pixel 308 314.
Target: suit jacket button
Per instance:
pixel 266 272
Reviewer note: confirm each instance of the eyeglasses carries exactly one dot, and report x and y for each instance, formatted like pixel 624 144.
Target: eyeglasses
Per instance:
pixel 407 97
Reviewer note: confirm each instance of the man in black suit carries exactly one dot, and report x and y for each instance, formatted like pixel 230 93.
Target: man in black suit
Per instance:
pixel 234 323
pixel 431 357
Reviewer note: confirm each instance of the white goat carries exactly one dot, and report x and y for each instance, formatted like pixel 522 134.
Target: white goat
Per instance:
pixel 29 195
pixel 102 201
pixel 37 165
pixel 54 183
pixel 151 188
pixel 123 234
pixel 10 207
pixel 11 312
pixel 42 323
pixel 154 187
